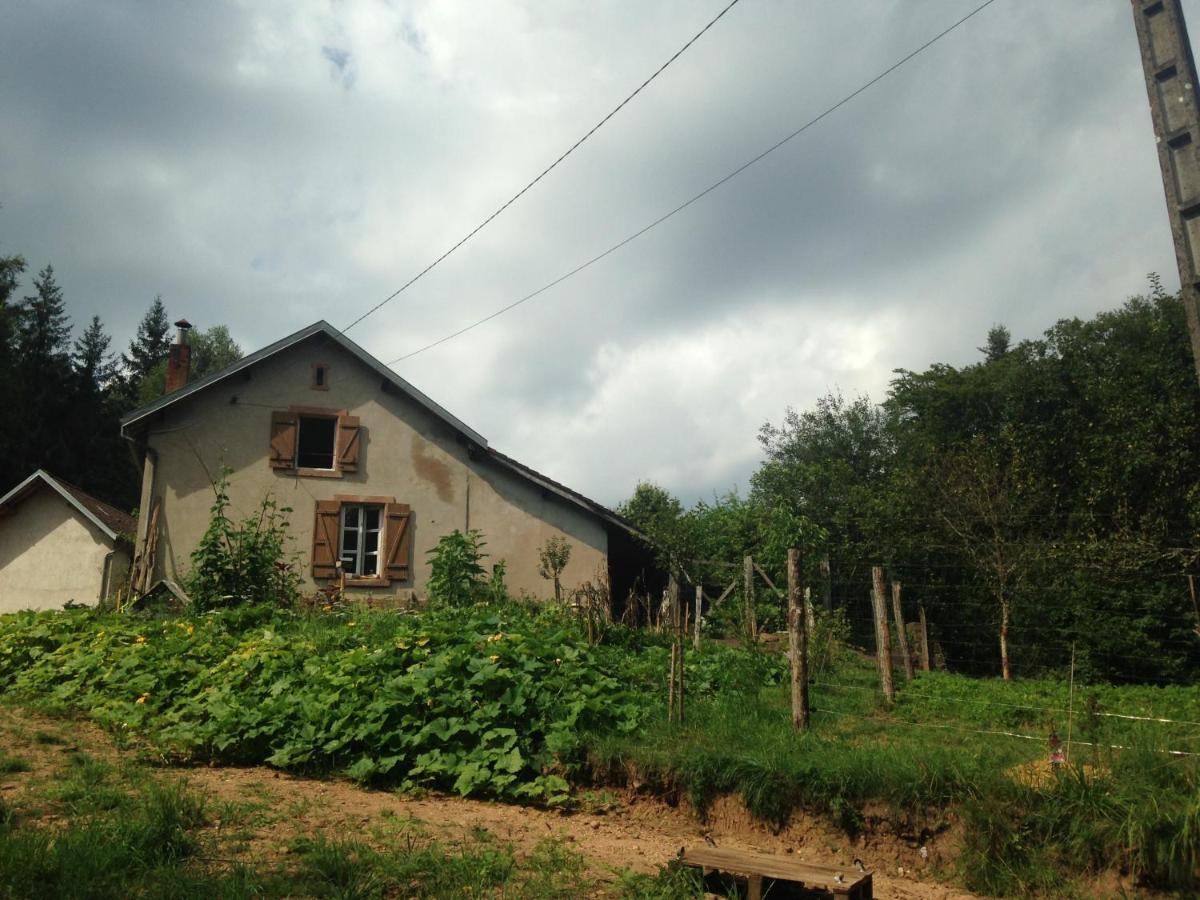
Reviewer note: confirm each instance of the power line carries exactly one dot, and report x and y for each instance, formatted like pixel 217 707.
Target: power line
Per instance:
pixel 546 171
pixel 708 190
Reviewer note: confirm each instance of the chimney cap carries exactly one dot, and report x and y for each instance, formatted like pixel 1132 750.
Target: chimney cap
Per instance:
pixel 183 323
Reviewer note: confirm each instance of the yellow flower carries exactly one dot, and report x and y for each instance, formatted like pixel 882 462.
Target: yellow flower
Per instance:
pixel 143 698
pixel 497 636
pixel 191 628
pixel 493 658
pixel 351 624
pixel 140 639
pixel 422 642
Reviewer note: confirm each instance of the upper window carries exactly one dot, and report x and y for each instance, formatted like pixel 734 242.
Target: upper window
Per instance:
pixel 316 442
pixel 309 440
pixel 320 377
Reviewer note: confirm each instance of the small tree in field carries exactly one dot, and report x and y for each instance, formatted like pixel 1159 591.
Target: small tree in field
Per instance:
pixel 553 557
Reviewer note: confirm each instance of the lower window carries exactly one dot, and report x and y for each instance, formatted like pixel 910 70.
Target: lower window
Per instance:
pixel 359 539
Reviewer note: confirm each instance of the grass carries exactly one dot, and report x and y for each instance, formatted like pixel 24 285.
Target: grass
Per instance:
pixel 941 757
pixel 95 828
pixel 10 765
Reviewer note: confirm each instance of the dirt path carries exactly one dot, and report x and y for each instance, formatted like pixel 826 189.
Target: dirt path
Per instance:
pixel 623 831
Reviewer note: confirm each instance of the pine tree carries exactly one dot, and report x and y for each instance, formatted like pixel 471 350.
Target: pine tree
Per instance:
pixel 44 381
pixel 94 364
pixel 44 328
pixel 151 344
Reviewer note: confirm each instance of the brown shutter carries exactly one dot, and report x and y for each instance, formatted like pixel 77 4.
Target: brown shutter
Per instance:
pixel 348 443
pixel 283 440
pixel 325 539
pixel 398 540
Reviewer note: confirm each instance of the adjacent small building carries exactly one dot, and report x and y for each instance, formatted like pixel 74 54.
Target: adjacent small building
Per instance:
pixel 59 544
pixel 373 471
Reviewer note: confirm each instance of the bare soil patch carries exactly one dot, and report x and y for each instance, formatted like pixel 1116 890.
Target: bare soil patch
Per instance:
pixel 262 811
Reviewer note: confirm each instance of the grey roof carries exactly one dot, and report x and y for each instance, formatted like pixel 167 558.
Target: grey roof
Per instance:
pixel 111 521
pixel 367 359
pixel 323 328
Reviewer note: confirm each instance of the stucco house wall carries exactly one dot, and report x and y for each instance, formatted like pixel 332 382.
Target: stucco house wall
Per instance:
pixel 50 554
pixel 406 453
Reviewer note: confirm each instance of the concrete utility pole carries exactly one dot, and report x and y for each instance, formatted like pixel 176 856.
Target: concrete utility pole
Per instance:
pixel 1171 84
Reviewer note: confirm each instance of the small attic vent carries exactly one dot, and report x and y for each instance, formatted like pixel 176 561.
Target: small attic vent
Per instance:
pixel 320 377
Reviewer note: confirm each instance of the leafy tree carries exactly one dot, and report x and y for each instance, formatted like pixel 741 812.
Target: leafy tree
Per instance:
pixel 999 339
pixel 553 557
pixel 212 350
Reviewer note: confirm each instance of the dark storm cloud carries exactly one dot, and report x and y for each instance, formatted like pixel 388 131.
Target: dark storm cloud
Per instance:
pixel 265 165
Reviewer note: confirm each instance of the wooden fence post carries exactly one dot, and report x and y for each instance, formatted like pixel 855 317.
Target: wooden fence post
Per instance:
pixel 680 641
pixel 901 632
pixel 748 588
pixel 924 640
pixel 797 643
pixel 676 664
pixel 826 585
pixel 696 623
pixel 883 641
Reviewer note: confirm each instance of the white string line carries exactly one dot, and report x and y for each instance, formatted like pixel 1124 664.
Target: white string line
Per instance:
pixel 994 733
pixel 855 687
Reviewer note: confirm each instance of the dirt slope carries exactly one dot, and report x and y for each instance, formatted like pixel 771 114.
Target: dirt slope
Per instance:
pixel 621 831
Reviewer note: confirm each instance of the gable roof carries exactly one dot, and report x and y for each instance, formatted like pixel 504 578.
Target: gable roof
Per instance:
pixel 110 520
pixel 322 328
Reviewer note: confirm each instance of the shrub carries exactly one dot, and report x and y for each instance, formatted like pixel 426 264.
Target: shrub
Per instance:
pixel 456 577
pixel 242 562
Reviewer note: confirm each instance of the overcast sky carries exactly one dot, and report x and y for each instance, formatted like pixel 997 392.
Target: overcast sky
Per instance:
pixel 265 165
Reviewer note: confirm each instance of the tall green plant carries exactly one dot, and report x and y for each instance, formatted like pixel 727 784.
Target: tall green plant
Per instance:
pixel 456 577
pixel 243 562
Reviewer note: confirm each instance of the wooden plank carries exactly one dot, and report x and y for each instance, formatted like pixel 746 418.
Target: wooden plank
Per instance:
pixel 765 576
pixel 741 862
pixel 725 593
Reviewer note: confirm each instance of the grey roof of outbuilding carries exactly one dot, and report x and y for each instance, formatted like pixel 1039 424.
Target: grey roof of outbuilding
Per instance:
pixel 322 328
pixel 115 524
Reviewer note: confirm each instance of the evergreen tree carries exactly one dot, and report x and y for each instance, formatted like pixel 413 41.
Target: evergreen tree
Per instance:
pixel 41 401
pixel 44 327
pixel 93 362
pixel 149 346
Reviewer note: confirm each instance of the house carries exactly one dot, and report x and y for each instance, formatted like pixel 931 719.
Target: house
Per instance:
pixel 373 471
pixel 59 544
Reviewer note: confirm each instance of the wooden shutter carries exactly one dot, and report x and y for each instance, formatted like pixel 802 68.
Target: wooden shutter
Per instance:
pixel 398 540
pixel 325 539
pixel 348 443
pixel 283 440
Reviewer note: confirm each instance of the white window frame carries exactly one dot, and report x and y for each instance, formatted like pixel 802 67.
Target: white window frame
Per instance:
pixel 361 554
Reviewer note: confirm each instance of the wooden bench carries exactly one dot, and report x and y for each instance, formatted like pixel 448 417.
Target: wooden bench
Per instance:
pixel 781 876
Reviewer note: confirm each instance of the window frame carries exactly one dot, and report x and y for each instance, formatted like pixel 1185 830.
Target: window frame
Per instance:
pixel 361 531
pixel 393 551
pixel 341 420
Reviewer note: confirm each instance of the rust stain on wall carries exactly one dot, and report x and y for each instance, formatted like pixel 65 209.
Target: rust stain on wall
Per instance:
pixel 432 470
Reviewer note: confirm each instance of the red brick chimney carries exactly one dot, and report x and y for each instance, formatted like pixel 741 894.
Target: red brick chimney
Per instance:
pixel 179 362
